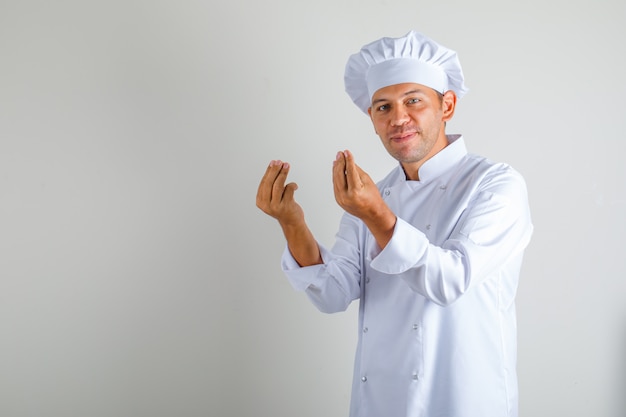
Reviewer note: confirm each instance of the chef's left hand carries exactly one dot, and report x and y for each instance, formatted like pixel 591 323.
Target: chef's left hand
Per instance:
pixel 355 191
pixel 357 194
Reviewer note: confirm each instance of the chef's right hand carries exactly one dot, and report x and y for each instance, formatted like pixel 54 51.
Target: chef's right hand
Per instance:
pixel 277 199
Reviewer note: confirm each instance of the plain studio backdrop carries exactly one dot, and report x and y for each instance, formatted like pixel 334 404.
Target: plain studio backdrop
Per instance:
pixel 137 277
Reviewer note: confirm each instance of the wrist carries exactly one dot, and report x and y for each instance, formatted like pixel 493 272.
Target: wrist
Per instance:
pixel 381 224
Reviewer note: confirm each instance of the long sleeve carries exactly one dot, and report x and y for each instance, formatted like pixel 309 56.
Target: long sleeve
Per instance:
pixel 492 231
pixel 333 285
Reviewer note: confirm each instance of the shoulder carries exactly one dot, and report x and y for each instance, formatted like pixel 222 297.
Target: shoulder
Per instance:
pixel 497 178
pixel 489 170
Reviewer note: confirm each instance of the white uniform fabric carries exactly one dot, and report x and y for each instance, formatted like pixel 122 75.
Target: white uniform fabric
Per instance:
pixel 437 315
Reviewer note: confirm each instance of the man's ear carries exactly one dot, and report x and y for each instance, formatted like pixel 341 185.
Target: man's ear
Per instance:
pixel 448 104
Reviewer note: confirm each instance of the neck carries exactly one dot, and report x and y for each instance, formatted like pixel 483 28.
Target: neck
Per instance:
pixel 411 169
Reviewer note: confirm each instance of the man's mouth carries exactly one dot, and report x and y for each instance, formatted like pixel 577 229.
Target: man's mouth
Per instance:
pixel 399 137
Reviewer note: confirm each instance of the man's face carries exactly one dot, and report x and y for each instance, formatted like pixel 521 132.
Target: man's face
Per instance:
pixel 409 119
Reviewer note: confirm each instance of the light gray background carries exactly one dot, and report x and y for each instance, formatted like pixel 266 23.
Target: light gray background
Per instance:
pixel 137 277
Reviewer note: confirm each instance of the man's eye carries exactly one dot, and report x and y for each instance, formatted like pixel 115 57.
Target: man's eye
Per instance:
pixel 383 107
pixel 414 100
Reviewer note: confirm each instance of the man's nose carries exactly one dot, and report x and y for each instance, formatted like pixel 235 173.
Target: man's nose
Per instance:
pixel 399 116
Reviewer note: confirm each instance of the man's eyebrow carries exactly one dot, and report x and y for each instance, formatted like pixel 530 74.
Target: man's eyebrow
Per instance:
pixel 408 93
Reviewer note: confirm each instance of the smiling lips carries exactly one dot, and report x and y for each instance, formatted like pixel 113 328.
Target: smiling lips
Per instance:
pixel 402 136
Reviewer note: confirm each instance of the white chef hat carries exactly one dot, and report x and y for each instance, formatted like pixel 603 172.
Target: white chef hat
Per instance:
pixel 413 58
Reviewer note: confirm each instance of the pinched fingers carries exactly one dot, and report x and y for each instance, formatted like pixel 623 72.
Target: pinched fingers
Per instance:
pixel 272 184
pixel 346 183
pixel 346 173
pixel 339 173
pixel 274 197
pixel 353 177
pixel 264 192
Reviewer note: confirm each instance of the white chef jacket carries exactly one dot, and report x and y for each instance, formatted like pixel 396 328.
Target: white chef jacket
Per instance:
pixel 437 326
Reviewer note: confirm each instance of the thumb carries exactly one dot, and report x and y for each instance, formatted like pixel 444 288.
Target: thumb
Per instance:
pixel 290 190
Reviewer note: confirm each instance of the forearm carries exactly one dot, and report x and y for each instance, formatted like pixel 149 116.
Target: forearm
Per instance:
pixel 302 244
pixel 333 285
